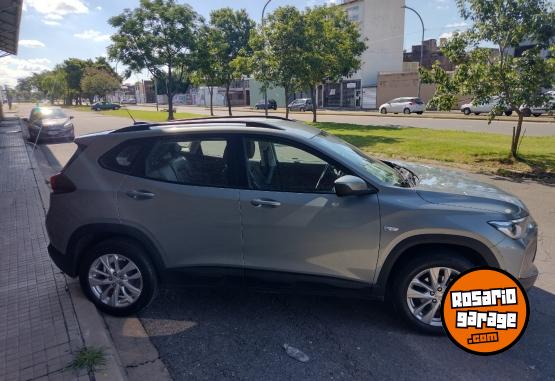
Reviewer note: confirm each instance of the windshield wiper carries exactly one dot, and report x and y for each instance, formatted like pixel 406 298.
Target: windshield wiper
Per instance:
pixel 409 178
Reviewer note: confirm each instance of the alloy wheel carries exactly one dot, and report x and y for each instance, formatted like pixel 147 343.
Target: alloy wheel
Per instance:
pixel 115 280
pixel 425 293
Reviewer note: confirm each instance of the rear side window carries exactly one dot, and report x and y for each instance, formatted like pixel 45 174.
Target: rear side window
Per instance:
pixel 122 158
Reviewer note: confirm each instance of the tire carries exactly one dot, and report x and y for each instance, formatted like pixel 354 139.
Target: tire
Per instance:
pixel 476 113
pixel 508 112
pixel 406 111
pixel 527 112
pixel 443 258
pixel 302 109
pixel 467 111
pixel 537 115
pixel 127 251
pixel 383 111
pixel 420 112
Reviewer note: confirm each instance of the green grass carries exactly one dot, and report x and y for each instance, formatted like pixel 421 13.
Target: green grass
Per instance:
pixel 89 359
pixel 141 115
pixel 480 152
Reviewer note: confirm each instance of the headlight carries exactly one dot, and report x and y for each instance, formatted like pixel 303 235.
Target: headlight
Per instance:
pixel 68 124
pixel 514 229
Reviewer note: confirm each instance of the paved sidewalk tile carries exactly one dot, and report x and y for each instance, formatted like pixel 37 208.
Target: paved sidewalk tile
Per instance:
pixel 38 328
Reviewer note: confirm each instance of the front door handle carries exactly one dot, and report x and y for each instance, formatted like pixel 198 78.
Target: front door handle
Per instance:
pixel 260 202
pixel 140 195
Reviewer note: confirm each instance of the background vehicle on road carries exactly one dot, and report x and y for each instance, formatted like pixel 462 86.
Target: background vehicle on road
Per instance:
pixel 129 101
pixel 260 105
pixel 406 105
pixel 301 104
pixel 484 108
pixel 540 110
pixel 273 204
pixel 98 106
pixel 50 124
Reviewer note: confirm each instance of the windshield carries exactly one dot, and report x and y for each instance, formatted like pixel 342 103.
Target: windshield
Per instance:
pixel 359 160
pixel 51 113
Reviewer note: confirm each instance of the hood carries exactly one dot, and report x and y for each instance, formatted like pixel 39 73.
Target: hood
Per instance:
pixel 54 122
pixel 444 186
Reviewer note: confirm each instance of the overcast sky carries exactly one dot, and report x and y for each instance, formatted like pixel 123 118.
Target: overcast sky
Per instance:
pixel 53 30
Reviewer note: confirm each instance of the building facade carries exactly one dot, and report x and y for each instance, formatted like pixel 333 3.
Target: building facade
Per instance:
pixel 431 53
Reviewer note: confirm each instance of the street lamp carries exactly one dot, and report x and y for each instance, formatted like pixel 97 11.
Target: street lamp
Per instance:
pixel 264 36
pixel 421 45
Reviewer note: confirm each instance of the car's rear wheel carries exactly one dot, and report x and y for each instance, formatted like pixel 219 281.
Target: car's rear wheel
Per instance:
pixel 418 287
pixel 406 111
pixel 383 110
pixel 508 112
pixel 476 113
pixel 117 277
pixel 420 112
pixel 537 115
pixel 467 111
pixel 302 109
pixel 527 112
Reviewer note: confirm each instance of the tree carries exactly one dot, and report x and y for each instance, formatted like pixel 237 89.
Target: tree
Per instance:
pixel 276 49
pixel 332 48
pixel 158 36
pixel 516 80
pixel 207 68
pixel 98 82
pixel 229 32
pixel 53 84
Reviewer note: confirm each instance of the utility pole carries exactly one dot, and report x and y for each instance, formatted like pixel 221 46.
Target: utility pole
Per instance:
pixel 421 46
pixel 264 36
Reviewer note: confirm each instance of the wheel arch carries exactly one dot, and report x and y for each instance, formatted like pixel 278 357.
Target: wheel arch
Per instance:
pixel 86 236
pixel 470 248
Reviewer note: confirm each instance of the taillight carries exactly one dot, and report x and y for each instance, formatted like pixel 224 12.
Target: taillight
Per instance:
pixel 61 184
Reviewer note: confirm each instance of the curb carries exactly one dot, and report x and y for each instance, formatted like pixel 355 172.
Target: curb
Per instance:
pixel 93 330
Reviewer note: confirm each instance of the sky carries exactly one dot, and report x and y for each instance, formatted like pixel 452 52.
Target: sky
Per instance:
pixel 53 30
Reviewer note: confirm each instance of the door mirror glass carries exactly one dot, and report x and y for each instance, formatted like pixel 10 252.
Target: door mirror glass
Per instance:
pixel 352 186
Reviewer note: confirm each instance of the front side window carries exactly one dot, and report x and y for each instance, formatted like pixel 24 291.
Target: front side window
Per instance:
pixel 274 166
pixel 200 162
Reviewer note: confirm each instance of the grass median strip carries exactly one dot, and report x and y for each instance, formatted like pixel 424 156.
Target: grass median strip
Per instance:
pixel 480 152
pixel 142 115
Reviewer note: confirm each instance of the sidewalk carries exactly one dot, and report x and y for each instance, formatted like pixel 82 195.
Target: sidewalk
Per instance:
pixel 39 331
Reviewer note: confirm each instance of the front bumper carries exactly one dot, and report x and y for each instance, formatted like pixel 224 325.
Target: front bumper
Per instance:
pixel 528 279
pixel 62 261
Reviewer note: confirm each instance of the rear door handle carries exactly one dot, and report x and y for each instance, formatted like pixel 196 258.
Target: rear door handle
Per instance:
pixel 140 195
pixel 260 202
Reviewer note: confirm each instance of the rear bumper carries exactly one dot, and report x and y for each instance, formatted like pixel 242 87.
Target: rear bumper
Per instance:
pixel 62 261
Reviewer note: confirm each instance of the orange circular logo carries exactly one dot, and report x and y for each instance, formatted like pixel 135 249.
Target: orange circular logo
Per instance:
pixel 485 311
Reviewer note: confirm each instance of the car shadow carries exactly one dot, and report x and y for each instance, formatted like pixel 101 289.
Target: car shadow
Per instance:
pixel 230 334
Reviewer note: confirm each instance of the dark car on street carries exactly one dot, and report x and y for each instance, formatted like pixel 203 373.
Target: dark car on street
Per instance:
pixel 272 104
pixel 303 104
pixel 49 124
pixel 98 106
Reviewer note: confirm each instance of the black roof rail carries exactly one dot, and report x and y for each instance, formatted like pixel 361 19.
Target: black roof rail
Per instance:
pixel 145 126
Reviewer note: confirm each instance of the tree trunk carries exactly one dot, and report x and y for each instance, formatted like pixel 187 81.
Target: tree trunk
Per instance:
pixel 286 102
pixel 211 91
pixel 516 135
pixel 169 86
pixel 228 99
pixel 314 106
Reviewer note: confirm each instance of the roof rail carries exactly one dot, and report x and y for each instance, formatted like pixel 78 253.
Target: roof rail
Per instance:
pixel 145 126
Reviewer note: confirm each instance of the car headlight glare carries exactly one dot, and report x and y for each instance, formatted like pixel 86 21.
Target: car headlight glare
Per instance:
pixel 515 229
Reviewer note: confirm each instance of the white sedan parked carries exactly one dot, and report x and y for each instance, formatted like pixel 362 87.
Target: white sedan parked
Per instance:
pixel 482 108
pixel 406 105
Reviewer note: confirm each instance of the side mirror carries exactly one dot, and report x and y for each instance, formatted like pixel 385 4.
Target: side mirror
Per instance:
pixel 352 186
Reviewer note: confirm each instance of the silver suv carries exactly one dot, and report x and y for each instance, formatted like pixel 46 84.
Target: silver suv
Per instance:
pixel 273 204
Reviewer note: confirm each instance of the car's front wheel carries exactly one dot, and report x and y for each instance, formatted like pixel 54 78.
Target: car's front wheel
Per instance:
pixel 117 276
pixel 418 288
pixel 383 111
pixel 406 111
pixel 467 111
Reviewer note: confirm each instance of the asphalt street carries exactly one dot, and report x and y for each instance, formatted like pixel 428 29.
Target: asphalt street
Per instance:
pixel 232 334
